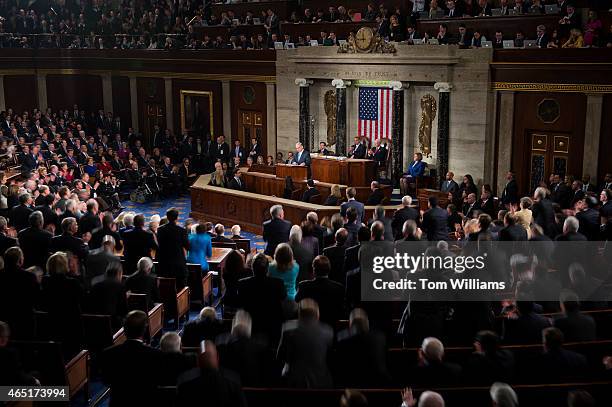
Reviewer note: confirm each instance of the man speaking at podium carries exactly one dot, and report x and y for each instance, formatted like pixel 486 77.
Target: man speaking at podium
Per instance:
pixel 301 156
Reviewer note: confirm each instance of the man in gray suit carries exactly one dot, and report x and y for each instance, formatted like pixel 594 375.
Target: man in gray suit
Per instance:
pixel 449 185
pixel 352 203
pixel 99 260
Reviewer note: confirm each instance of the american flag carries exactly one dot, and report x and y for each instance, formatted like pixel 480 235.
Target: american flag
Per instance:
pixel 375 113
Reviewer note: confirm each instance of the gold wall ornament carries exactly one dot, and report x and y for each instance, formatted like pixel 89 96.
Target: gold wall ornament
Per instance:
pixel 429 108
pixel 330 112
pixel 366 41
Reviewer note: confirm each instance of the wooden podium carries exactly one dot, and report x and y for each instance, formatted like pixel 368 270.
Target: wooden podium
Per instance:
pixel 296 172
pixel 349 171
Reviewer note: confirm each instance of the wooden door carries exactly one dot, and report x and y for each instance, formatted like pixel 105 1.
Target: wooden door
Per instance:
pixel 549 153
pixel 250 124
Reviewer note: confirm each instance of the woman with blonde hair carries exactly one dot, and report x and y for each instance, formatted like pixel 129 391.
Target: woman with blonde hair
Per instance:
pixel 334 196
pixel 576 40
pixel 285 268
pixel 524 216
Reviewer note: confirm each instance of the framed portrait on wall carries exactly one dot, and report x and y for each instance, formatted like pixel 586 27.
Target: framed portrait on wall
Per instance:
pixel 197 112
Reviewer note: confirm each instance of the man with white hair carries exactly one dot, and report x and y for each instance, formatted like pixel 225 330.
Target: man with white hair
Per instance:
pixel 402 215
pixel 427 399
pixel 431 369
pixel 543 212
pixel 236 230
pixel 142 282
pixel 502 395
pixel 570 231
pixel 276 230
pixel 173 361
pixel 206 327
pixel 301 156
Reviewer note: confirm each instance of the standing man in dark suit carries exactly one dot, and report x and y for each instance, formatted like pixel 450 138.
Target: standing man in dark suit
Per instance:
pixel 402 215
pixel 360 149
pixel 328 293
pixel 137 243
pixel 238 152
pixel 510 193
pixel 543 212
pixel 352 203
pixel 173 244
pixel 90 220
pixel 588 217
pixel 18 217
pixel 255 150
pixel 221 151
pixel 576 326
pixel 131 368
pixel 311 191
pixel 236 182
pixel 301 156
pixel 377 194
pixel 435 221
pixel 336 254
pixel 49 215
pixel 276 230
pixel 35 242
pixel 68 242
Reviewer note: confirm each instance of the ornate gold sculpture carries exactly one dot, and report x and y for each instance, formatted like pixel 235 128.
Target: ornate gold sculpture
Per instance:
pixel 330 112
pixel 428 114
pixel 366 41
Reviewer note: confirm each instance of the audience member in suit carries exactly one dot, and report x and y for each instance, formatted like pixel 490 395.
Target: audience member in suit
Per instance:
pixel 35 242
pixel 561 192
pixel 327 293
pixel 173 362
pixel 431 369
pixel 221 150
pixel 512 232
pixel 488 363
pixel 570 231
pixel 255 150
pixel 352 203
pixel 304 252
pixel 486 203
pixel 276 230
pixel 240 353
pixel 220 234
pixel 62 297
pixel 417 166
pixel 336 254
pixel 5 240
pixel 68 242
pixel 527 327
pixel 208 384
pixel 205 327
pixel 132 368
pixel 108 297
pixel 19 293
pixel 18 216
pixel 142 282
pixel 262 297
pixel 12 372
pixel 379 215
pixel 238 152
pixel 588 218
pixel 90 220
pixel 304 349
pixel 369 368
pixel 377 194
pixel 452 11
pixel 311 191
pixel 449 185
pixel 352 226
pixel 360 149
pixel 574 325
pixel 236 182
pixel 334 197
pixel 99 260
pixel 301 156
pixel 543 212
pixel 556 363
pixel 435 221
pixel 106 229
pixel 510 193
pixel 173 243
pixel 49 215
pixel 402 215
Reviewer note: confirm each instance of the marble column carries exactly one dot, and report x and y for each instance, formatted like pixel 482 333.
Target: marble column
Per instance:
pixel 107 92
pixel 169 105
pixel 134 102
pixel 444 89
pixel 397 135
pixel 304 109
pixel 271 118
pixel 41 87
pixel 226 97
pixel 592 135
pixel 340 86
pixel 505 134
pixel 2 97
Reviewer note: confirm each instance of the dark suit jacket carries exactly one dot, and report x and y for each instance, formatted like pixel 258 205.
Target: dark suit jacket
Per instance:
pixel 513 233
pixel 328 293
pixel 29 163
pixel 6 242
pixel 98 235
pixel 544 215
pixel 525 329
pixel 560 365
pixel 335 254
pixel 360 151
pixel 49 216
pixel 140 283
pixel 108 297
pixel 88 223
pixel 249 358
pixel 375 197
pixel 437 373
pixel 62 297
pixel 198 330
pixel 275 232
pixel 233 184
pixel 400 217
pixel 369 370
pixel 18 217
pixel 262 298
pixel 174 365
pixel 172 240
pixel 435 224
pixel 355 204
pixel 303 159
pixel 131 370
pixel 137 243
pixel 241 154
pixel 449 186
pixel 309 193
pixel 589 221
pixel 304 349
pixel 510 193
pixel 577 327
pixel 36 245
pixel 68 243
pixel 198 387
pixel 98 260
pixel 485 369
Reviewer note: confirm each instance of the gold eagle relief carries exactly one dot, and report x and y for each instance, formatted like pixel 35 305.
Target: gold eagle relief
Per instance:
pixel 429 108
pixel 330 112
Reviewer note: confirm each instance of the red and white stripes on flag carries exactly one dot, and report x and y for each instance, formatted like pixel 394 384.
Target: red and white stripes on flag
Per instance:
pixel 375 113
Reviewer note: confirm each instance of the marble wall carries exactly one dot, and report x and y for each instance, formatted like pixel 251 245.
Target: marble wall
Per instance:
pixel 418 68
